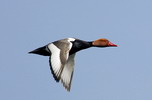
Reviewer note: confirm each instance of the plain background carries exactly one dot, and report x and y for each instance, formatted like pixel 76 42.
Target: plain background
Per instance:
pixel 122 73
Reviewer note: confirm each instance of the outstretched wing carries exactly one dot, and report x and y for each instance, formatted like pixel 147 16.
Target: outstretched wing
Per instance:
pixel 67 73
pixel 58 58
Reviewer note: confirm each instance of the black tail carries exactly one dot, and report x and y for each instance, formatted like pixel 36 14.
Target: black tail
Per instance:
pixel 42 51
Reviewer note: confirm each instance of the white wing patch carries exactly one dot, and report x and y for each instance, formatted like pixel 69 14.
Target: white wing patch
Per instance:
pixel 55 60
pixel 67 73
pixel 62 65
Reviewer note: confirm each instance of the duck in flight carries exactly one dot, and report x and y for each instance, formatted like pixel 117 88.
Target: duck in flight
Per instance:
pixel 61 56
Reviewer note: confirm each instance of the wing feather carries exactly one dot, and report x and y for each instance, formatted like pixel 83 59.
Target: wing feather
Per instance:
pixel 55 62
pixel 59 56
pixel 67 73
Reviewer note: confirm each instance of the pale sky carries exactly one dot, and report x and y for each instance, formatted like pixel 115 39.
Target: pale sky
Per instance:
pixel 122 73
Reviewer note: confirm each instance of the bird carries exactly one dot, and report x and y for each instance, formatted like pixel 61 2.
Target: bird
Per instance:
pixel 62 53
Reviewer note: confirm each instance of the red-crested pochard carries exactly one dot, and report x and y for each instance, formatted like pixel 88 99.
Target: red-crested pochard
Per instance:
pixel 61 56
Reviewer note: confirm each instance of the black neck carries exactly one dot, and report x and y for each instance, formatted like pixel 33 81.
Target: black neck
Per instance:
pixel 80 45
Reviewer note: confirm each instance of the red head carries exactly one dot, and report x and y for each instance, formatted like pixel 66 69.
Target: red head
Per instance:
pixel 103 43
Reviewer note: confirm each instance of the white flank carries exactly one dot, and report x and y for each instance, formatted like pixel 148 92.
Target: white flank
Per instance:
pixel 66 76
pixel 55 59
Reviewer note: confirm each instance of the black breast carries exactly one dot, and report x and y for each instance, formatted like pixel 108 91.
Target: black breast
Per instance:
pixel 79 45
